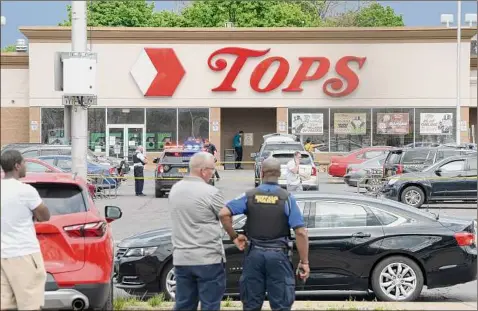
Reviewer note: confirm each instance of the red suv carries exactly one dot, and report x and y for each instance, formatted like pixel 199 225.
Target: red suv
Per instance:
pixel 338 164
pixel 76 243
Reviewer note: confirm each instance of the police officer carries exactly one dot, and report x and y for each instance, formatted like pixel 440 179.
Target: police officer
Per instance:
pixel 139 160
pixel 271 213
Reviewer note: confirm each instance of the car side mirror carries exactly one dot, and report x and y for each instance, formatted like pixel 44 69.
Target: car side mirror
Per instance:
pixel 438 172
pixel 112 213
pixel 155 160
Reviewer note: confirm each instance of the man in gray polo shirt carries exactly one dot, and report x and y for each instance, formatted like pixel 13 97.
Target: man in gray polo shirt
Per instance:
pixel 198 252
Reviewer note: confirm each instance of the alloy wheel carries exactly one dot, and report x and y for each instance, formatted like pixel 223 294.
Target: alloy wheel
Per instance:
pixel 413 197
pixel 398 281
pixel 171 283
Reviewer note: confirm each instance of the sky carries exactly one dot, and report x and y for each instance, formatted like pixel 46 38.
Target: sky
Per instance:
pixel 42 13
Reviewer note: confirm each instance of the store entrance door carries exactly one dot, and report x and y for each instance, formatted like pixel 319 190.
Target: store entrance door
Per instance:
pixel 123 139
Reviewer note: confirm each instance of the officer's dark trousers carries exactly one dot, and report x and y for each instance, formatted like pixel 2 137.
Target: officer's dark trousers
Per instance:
pixel 139 183
pixel 238 157
pixel 271 271
pixel 205 283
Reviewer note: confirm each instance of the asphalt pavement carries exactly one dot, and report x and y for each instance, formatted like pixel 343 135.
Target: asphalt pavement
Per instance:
pixel 148 213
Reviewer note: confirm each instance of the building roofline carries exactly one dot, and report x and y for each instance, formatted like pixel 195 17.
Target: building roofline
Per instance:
pixel 14 59
pixel 54 33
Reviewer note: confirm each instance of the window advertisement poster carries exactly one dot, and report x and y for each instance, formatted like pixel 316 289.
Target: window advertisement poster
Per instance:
pixel 436 123
pixel 350 123
pixel 393 123
pixel 307 123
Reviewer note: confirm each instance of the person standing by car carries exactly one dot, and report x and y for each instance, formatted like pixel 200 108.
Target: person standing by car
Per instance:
pixel 211 148
pixel 294 183
pixel 23 272
pixel 198 252
pixel 139 160
pixel 237 144
pixel 268 263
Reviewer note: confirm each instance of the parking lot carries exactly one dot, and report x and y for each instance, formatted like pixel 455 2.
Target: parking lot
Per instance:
pixel 147 213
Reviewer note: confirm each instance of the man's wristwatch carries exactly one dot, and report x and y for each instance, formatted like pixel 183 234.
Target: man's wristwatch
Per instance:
pixel 234 236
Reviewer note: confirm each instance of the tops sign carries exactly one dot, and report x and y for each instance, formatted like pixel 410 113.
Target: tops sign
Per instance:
pixel 158 72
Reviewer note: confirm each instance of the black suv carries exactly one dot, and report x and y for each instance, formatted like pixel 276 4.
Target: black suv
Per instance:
pixel 171 167
pixel 451 179
pixel 406 160
pixel 34 150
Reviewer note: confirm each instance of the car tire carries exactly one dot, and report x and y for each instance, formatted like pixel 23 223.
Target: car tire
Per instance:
pixel 413 196
pixel 158 193
pixel 109 301
pixel 165 277
pixel 406 272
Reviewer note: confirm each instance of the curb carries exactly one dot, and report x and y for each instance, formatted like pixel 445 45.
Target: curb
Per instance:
pixel 335 305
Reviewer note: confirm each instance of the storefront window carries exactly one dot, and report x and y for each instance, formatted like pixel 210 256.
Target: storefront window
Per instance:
pixel 160 128
pixel 435 126
pixel 125 116
pixel 351 129
pixel 392 127
pixel 311 124
pixel 97 130
pixel 193 123
pixel 52 126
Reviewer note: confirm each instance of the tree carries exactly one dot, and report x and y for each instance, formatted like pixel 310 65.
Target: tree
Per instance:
pixel 373 15
pixel 9 48
pixel 117 13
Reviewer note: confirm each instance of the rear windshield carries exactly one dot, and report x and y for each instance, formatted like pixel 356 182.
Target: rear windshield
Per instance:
pixel 415 156
pixel 61 199
pixel 284 158
pixel 394 158
pixel 273 147
pixel 177 157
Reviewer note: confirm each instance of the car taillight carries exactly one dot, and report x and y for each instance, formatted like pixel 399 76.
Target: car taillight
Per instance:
pixel 112 170
pixel 160 169
pixel 89 230
pixel 314 171
pixel 399 169
pixel 465 238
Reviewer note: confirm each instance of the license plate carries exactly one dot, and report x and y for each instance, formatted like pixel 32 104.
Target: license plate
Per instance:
pixel 182 170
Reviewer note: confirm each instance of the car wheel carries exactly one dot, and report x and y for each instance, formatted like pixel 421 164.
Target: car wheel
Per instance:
pixel 397 279
pixel 413 196
pixel 168 282
pixel 109 301
pixel 158 193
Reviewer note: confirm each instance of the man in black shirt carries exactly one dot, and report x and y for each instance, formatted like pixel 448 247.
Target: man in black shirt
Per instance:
pixel 211 148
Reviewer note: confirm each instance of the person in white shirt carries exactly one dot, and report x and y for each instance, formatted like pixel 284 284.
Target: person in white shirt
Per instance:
pixel 294 183
pixel 139 160
pixel 23 272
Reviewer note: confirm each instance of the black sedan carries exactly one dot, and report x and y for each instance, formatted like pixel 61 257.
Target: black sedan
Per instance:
pixel 357 243
pixel 451 179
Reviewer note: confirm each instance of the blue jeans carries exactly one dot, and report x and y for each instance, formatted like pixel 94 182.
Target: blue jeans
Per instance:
pixel 205 283
pixel 267 271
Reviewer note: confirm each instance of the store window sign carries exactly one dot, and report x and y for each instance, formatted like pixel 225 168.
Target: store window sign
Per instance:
pixel 333 87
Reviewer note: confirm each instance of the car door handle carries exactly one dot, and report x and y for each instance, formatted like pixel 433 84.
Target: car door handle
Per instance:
pixel 361 235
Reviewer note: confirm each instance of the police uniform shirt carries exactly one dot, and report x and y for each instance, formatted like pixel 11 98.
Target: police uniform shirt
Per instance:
pixel 238 206
pixel 140 157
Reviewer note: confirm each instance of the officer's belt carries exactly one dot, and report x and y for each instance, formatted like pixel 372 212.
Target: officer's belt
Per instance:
pixel 272 248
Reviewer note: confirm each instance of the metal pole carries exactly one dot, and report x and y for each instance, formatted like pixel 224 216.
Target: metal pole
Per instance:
pixel 458 74
pixel 79 115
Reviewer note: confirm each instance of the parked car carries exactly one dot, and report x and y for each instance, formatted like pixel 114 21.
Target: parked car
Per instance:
pixel 338 164
pixel 421 144
pixel 33 150
pixel 307 169
pixel 406 160
pixel 273 142
pixel 66 164
pixel 171 167
pixel 356 243
pixel 76 243
pixel 451 179
pixel 358 172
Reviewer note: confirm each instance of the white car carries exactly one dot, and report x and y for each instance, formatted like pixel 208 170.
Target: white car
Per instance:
pixel 307 169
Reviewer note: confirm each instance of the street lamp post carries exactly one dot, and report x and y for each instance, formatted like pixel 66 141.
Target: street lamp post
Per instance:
pixel 458 73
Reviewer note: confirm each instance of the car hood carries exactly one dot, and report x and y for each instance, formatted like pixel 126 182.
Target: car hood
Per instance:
pixel 147 239
pixel 410 176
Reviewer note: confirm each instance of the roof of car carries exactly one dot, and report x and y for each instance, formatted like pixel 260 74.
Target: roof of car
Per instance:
pixel 289 151
pixel 60 178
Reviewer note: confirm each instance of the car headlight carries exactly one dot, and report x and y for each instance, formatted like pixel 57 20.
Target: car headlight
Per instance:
pixel 140 251
pixel 392 181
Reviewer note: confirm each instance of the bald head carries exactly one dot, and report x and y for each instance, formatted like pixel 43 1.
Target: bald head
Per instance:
pixel 271 167
pixel 201 160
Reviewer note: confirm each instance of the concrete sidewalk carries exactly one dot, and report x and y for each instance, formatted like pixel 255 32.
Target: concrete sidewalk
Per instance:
pixel 332 305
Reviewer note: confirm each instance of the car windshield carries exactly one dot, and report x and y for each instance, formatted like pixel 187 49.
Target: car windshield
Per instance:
pixel 408 208
pixel 284 158
pixel 61 199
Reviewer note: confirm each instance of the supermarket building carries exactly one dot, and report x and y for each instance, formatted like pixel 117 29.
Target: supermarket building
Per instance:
pixel 343 88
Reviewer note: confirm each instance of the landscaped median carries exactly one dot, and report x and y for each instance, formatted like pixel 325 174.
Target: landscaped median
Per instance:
pixel 158 303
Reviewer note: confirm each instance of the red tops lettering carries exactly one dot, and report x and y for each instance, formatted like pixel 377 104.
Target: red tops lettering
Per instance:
pixel 333 87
